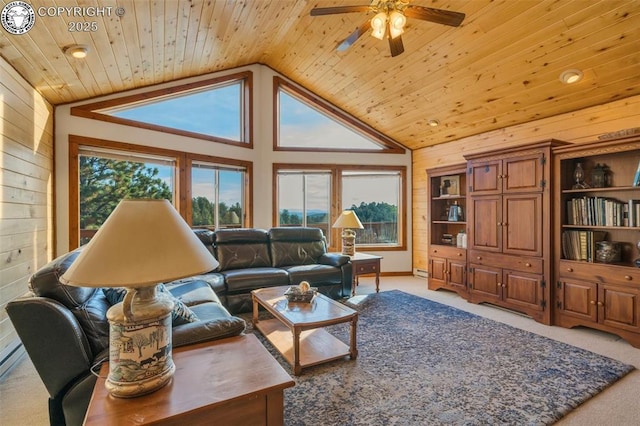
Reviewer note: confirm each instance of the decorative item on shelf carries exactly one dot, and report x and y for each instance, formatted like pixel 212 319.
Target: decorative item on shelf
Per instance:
pixel 598 176
pixel 637 261
pixel 303 293
pixel 455 212
pixel 607 252
pixel 636 177
pixel 449 185
pixel 578 177
pixel 348 221
pixel 141 244
pixel 447 239
pixel 461 239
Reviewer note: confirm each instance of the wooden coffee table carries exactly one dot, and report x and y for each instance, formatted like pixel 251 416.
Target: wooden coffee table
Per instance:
pixel 296 329
pixel 230 381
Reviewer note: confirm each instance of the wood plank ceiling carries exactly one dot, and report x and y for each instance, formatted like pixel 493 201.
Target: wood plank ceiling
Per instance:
pixel 499 68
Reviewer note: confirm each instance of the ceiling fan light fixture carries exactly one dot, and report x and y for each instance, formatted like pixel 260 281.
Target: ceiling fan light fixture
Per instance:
pixel 78 51
pixel 378 24
pixel 397 22
pixel 571 76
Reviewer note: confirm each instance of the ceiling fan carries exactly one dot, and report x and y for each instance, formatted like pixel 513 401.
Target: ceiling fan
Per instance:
pixel 390 17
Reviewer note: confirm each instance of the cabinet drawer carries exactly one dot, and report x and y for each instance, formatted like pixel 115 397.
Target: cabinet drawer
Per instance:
pixel 532 265
pixel 366 267
pixel 448 252
pixel 598 272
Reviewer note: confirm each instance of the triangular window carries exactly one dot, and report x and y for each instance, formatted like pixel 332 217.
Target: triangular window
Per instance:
pixel 307 123
pixel 217 109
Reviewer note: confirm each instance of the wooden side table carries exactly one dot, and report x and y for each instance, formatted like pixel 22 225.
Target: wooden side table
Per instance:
pixel 365 264
pixel 229 381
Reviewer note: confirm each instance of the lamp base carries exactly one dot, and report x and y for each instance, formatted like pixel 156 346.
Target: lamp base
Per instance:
pixel 140 360
pixel 348 242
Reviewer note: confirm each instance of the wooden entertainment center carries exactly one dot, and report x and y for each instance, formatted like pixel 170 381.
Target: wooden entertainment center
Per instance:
pixel 518 205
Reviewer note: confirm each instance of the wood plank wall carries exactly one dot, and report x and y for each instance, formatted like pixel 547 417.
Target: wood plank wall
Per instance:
pixel 26 194
pixel 576 127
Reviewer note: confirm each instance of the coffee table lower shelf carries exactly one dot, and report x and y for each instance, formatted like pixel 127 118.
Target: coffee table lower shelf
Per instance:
pixel 316 346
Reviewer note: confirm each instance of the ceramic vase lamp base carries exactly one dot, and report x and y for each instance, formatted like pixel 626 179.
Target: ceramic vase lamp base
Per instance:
pixel 348 242
pixel 140 360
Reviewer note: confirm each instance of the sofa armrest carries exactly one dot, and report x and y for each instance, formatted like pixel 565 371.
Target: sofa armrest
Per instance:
pixel 333 259
pixel 53 339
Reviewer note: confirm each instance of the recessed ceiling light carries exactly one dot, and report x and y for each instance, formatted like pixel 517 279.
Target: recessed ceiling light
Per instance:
pixel 78 51
pixel 433 123
pixel 571 76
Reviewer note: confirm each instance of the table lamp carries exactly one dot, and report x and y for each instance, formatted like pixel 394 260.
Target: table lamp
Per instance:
pixel 141 244
pixel 348 221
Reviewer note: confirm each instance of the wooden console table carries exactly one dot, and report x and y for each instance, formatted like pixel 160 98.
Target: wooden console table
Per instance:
pixel 365 264
pixel 229 381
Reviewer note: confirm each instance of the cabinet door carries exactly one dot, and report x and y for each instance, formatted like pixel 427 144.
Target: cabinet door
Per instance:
pixel 485 215
pixel 523 289
pixel 486 281
pixel 523 174
pixel 521 224
pixel 578 299
pixel 457 274
pixel 619 306
pixel 484 177
pixel 437 273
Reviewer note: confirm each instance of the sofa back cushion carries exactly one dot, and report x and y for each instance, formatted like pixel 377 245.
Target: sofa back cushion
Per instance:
pixel 88 304
pixel 296 246
pixel 242 248
pixel 207 237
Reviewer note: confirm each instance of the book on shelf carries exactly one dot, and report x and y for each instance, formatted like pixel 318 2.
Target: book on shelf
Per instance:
pixel 581 245
pixel 636 178
pixel 600 211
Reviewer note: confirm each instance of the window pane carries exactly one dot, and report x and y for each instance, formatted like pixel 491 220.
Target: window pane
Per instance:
pixel 301 126
pixel 304 199
pixel 203 190
pixel 230 195
pixel 317 201
pixel 106 179
pixel 290 199
pixel 375 198
pixel 216 111
pixel 211 186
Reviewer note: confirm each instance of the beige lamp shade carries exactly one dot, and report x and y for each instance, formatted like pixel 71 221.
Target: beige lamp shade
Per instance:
pixel 142 243
pixel 348 219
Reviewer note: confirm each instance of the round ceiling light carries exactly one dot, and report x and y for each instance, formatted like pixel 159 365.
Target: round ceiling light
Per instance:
pixel 571 76
pixel 78 51
pixel 433 123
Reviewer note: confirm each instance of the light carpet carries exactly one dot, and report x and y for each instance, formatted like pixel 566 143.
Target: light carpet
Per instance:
pixel 423 363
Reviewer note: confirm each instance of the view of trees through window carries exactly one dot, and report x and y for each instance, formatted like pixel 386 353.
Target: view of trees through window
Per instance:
pixel 213 185
pixel 104 181
pixel 304 199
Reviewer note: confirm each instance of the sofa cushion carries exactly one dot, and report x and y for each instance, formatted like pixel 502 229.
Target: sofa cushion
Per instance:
pixel 215 322
pixel 315 274
pixel 242 248
pixel 296 246
pixel 180 314
pixel 245 280
pixel 207 237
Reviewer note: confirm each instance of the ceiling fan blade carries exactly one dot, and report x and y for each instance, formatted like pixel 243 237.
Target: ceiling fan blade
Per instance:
pixel 318 11
pixel 354 36
pixel 438 16
pixel 396 46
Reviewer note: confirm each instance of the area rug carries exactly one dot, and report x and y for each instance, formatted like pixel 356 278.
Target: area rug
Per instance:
pixel 424 363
